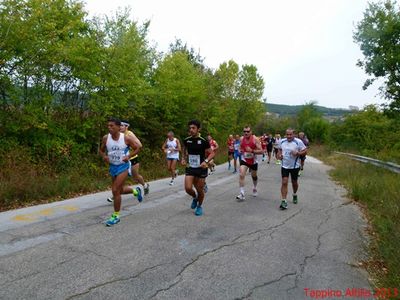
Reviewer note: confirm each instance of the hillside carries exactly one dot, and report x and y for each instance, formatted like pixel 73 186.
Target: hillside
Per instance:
pixel 291 110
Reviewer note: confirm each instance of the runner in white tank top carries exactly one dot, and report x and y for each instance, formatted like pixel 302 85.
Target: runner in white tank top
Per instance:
pixel 172 147
pixel 115 151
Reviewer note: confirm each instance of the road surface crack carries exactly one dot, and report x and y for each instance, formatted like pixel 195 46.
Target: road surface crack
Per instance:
pixel 235 241
pixel 265 284
pixel 90 289
pixel 303 265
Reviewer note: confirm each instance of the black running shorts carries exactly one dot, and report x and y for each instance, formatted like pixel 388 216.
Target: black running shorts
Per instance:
pixel 135 161
pixel 294 173
pixel 196 172
pixel 251 167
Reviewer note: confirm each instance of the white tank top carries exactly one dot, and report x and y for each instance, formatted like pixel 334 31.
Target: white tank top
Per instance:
pixel 116 150
pixel 171 146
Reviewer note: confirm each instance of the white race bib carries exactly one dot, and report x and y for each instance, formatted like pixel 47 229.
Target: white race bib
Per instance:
pixel 248 155
pixel 194 161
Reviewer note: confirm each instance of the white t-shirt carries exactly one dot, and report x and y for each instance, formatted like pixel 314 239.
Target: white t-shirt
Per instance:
pixel 116 150
pixel 172 149
pixel 289 161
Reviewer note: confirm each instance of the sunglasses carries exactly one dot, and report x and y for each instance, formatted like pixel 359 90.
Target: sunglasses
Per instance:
pixel 246 131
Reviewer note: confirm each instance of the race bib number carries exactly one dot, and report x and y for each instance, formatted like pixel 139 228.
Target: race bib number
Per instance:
pixel 248 155
pixel 194 161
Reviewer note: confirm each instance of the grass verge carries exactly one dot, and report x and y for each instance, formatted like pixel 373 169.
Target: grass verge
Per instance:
pixel 377 190
pixel 24 183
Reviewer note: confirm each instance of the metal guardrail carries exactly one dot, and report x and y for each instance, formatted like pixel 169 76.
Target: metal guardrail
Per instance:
pixel 383 164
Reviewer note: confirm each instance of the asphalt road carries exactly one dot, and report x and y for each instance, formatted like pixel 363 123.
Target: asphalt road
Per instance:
pixel 160 250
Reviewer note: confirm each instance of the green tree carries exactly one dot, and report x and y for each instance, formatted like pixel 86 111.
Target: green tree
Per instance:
pixel 310 120
pixel 249 96
pixel 378 35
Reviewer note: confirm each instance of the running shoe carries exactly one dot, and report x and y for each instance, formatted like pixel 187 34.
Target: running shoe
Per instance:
pixel 194 203
pixel 300 172
pixel 240 197
pixel 255 194
pixel 229 167
pixel 268 161
pixel 199 211
pixel 205 189
pixel 283 205
pixel 112 221
pixel 278 162
pixel 146 188
pixel 171 182
pixel 138 193
pixel 110 199
pixel 234 172
pixel 295 200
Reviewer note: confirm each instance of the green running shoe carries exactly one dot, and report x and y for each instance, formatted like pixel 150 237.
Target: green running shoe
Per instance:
pixel 112 221
pixel 284 205
pixel 295 200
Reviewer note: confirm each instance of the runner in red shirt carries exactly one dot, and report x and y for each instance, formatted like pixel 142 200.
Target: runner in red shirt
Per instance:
pixel 231 149
pixel 214 147
pixel 250 146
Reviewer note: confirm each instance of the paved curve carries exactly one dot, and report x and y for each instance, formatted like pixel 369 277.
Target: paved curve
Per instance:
pixel 160 250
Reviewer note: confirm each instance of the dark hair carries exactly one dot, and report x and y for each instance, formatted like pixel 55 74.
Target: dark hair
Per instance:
pixel 195 123
pixel 115 121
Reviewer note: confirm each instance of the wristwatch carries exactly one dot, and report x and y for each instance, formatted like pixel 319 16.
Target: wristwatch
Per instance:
pixel 206 161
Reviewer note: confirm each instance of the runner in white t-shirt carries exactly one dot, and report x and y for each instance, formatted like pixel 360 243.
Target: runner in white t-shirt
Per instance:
pixel 172 147
pixel 289 151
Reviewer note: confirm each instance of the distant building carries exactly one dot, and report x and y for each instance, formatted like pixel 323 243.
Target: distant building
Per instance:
pixel 354 108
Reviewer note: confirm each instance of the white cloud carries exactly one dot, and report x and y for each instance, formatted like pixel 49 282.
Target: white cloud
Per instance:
pixel 303 49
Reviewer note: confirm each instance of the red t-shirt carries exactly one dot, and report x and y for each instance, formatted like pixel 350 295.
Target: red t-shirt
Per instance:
pixel 248 157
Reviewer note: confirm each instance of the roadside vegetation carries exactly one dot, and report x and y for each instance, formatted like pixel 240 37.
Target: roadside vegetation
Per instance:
pixel 62 75
pixel 376 190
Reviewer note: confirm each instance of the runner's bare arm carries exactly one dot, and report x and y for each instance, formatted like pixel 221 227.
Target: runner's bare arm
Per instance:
pixel 210 154
pixel 302 152
pixel 216 146
pixel 258 149
pixel 184 155
pixel 280 156
pixel 102 150
pixel 164 146
pixel 179 147
pixel 133 142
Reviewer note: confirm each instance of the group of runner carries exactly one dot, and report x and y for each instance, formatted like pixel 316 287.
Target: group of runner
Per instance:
pixel 120 149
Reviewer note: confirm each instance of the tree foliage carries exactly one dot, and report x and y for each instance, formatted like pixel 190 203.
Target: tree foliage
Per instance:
pixel 378 35
pixel 62 75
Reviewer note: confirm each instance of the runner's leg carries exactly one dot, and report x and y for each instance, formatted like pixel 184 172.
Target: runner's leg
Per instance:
pixel 189 186
pixel 284 187
pixel 173 168
pixel 136 176
pixel 199 185
pixel 169 167
pixel 117 188
pixel 242 177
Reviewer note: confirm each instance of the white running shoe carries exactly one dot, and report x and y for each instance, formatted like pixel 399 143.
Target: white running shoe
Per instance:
pixel 255 194
pixel 110 199
pixel 171 182
pixel 240 197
